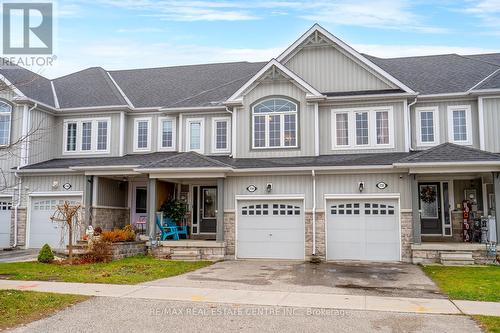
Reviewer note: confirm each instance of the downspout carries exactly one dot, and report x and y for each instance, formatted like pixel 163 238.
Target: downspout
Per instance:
pixel 313 174
pixel 24 157
pixel 409 120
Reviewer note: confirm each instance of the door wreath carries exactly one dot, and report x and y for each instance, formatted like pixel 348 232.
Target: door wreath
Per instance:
pixel 428 194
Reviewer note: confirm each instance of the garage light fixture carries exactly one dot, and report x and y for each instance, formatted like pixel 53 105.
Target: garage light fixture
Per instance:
pixel 361 186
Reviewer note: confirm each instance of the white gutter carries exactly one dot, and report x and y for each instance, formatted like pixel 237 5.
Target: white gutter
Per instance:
pixel 408 107
pixel 314 211
pixel 24 157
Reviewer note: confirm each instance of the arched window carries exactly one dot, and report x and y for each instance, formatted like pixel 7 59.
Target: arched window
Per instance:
pixel 275 123
pixel 5 120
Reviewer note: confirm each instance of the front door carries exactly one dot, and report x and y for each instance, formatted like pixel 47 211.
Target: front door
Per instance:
pixel 139 211
pixel 430 208
pixel 208 210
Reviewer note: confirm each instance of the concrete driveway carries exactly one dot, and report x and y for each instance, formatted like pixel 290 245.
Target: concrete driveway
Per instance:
pixel 352 278
pixel 18 255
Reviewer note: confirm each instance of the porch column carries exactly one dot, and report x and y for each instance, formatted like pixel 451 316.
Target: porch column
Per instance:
pixel 151 204
pixel 219 237
pixel 87 200
pixel 417 238
pixel 496 189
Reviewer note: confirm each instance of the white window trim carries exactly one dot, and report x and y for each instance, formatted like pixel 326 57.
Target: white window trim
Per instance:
pixel 136 127
pixel 10 123
pixel 79 122
pixel 160 134
pixel 282 126
pixel 202 134
pixel 418 121
pixel 372 128
pixel 228 134
pixel 468 119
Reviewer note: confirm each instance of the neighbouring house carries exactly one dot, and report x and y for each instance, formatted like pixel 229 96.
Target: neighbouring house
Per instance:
pixel 322 150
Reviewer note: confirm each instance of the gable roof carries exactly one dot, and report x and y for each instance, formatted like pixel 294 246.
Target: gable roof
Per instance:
pixel 450 152
pixel 426 74
pixel 185 160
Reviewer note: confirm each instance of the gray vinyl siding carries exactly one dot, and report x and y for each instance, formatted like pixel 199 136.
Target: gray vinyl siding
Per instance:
pixel 398 183
pixel 208 130
pixel 9 157
pixel 111 193
pixel 491 114
pixel 44 183
pixel 326 130
pixel 443 121
pixel 329 70
pixel 305 121
pixel 114 133
pixel 45 143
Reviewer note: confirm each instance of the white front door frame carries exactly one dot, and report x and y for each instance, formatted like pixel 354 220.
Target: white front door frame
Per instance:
pixel 133 186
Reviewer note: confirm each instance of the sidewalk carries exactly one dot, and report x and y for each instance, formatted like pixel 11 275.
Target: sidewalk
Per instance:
pixel 263 298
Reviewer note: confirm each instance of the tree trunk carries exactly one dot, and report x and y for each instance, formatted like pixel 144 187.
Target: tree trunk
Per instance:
pixel 70 241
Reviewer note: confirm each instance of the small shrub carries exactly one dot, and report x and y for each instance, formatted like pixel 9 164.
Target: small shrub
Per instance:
pixel 126 234
pixel 46 255
pixel 98 251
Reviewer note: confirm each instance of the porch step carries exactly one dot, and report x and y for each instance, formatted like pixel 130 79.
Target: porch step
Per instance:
pixel 456 258
pixel 186 255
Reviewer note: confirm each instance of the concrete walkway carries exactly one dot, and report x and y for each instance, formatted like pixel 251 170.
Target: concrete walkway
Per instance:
pixel 263 298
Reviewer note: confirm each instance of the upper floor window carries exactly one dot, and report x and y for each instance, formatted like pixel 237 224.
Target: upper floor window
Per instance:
pixel 142 134
pixel 5 121
pixel 362 128
pixel 195 135
pixel 86 135
pixel 459 124
pixel 167 133
pixel 427 121
pixel 221 130
pixel 275 124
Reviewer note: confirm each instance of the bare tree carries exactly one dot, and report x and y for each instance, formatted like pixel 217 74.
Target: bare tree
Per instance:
pixel 68 215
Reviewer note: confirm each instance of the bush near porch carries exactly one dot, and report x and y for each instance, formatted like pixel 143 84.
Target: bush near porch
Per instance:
pixel 130 270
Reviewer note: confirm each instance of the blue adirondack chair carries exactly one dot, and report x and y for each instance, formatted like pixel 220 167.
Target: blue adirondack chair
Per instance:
pixel 181 230
pixel 166 231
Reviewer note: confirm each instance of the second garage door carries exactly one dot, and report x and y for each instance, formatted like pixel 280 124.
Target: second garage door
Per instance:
pixel 5 209
pixel 41 228
pixel 363 230
pixel 270 229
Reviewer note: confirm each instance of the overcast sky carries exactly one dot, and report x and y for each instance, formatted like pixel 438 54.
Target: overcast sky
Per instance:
pixel 120 34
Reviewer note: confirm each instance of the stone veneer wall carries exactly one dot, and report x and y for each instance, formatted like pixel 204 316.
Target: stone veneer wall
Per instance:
pixel 406 236
pixel 128 249
pixel 109 218
pixel 320 235
pixel 229 233
pixel 433 256
pixel 21 226
pixel 206 252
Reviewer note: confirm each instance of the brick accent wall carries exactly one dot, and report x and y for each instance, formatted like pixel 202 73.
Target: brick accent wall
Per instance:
pixel 320 235
pixel 406 236
pixel 110 218
pixel 21 226
pixel 229 233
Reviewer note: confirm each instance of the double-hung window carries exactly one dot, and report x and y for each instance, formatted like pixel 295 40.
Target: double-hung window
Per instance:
pixel 5 123
pixel 221 135
pixel 274 124
pixel 362 128
pixel 167 133
pixel 459 124
pixel 86 136
pixel 195 135
pixel 427 120
pixel 142 134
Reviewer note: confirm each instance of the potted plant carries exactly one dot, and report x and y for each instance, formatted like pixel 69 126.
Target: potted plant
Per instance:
pixel 174 209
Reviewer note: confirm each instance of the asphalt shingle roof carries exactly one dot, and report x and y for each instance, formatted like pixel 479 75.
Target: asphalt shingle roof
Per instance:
pixel 439 74
pixel 449 152
pixel 493 58
pixel 186 160
pixel 493 82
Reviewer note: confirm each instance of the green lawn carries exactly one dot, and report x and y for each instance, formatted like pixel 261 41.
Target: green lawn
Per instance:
pixel 489 324
pixel 131 270
pixel 19 307
pixel 475 283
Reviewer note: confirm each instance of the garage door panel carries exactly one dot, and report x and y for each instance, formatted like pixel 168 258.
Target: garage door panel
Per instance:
pixel 5 217
pixel 360 229
pixel 270 229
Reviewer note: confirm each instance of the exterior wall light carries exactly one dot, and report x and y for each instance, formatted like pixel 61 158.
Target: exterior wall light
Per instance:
pixel 361 186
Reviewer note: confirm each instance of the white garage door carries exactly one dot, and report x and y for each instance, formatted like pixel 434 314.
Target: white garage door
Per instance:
pixel 363 230
pixel 41 228
pixel 270 229
pixel 5 209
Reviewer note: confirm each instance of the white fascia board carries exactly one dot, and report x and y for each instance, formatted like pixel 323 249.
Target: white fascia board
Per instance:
pixel 236 97
pixel 54 94
pixel 193 109
pixel 187 175
pixel 447 164
pixel 316 168
pixel 350 50
pixel 486 91
pixel 111 173
pixel 87 108
pixel 168 170
pixel 457 94
pixel 11 86
pixel 38 171
pixel 106 167
pixel 370 97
